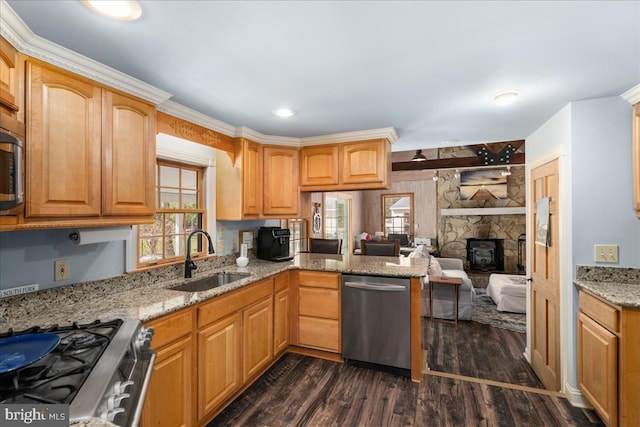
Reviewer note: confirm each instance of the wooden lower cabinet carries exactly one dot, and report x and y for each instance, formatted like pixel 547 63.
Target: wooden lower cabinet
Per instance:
pixel 169 400
pixel 281 308
pixel 219 375
pixel 257 339
pixel 318 311
pixel 598 367
pixel 608 354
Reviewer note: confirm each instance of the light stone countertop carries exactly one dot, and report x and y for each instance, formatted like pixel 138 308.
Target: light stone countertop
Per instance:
pixel 619 286
pixel 149 301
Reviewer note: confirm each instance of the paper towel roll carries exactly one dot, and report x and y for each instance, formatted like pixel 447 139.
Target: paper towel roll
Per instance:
pixel 99 235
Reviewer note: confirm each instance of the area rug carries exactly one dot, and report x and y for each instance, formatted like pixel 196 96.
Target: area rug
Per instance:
pixel 485 311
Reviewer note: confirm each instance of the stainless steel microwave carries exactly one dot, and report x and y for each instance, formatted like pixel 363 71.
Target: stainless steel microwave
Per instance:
pixel 11 173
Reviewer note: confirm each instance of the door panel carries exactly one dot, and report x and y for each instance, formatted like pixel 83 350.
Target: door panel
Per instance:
pixel 545 274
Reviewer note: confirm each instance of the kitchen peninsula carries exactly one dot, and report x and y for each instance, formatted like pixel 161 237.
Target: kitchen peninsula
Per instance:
pixel 264 304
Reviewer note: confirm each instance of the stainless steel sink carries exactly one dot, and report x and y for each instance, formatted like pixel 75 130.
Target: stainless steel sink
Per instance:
pixel 207 283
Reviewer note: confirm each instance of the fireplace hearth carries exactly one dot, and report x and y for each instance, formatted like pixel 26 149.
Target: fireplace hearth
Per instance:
pixel 485 254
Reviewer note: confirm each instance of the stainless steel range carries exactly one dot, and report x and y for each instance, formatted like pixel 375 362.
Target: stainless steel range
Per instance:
pixel 101 370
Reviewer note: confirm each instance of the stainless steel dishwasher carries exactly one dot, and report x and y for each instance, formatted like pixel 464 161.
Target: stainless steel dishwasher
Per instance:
pixel 376 325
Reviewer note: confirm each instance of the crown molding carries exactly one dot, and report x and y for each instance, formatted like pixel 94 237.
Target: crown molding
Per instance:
pixel 632 96
pixel 245 132
pixel 193 116
pixel 13 28
pixel 362 135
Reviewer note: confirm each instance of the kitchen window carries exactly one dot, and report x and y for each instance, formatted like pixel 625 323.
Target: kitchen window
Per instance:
pixel 180 209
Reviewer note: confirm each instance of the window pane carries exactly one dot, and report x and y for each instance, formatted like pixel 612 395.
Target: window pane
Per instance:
pixel 154 229
pixel 189 179
pixel 169 176
pixel 189 199
pixel 194 222
pixel 169 198
pixel 196 243
pixel 150 249
pixel 174 246
pixel 174 223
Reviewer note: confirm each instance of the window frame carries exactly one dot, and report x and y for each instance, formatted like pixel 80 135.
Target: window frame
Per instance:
pixel 164 260
pixel 411 213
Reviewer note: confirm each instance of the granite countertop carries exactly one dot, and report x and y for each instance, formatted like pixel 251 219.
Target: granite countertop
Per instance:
pixel 619 286
pixel 146 302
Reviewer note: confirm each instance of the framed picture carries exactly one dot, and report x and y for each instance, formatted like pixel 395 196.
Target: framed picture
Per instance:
pixel 483 185
pixel 246 236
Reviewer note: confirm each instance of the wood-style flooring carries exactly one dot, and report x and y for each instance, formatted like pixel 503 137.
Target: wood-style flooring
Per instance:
pixel 476 378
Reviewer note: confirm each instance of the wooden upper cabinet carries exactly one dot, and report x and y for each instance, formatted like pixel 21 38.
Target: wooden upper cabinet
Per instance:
pixel 365 162
pixel 636 158
pixel 90 151
pixel 319 165
pixel 64 149
pixel 128 138
pixel 251 178
pixel 362 165
pixel 9 75
pixel 280 191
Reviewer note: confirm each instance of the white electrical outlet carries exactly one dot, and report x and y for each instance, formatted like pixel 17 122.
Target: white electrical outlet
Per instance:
pixel 61 270
pixel 606 253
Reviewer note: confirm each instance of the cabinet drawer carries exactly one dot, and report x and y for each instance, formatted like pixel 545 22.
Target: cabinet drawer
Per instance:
pixel 323 334
pixel 319 280
pixel 319 303
pixel 226 304
pixel 171 327
pixel 600 311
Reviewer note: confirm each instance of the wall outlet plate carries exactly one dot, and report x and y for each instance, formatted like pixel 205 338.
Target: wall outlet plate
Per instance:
pixel 61 270
pixel 606 254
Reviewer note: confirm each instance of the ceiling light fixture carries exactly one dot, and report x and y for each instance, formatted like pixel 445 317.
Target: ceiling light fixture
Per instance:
pixel 506 98
pixel 435 176
pixel 419 157
pixel 507 172
pixel 124 10
pixel 283 112
pixel 456 174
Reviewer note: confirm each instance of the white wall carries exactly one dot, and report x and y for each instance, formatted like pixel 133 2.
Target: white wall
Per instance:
pixel 602 181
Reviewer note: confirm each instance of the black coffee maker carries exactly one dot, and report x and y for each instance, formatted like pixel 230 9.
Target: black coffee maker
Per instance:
pixel 273 243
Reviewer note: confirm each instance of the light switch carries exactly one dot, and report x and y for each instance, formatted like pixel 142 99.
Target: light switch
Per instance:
pixel 606 253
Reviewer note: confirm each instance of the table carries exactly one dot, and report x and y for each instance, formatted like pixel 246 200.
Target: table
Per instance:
pixel 455 282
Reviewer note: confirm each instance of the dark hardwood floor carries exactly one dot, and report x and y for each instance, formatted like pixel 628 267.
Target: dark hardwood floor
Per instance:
pixel 477 377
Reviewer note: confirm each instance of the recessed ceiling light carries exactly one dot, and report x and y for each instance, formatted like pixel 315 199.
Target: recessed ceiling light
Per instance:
pixel 283 112
pixel 124 10
pixel 506 98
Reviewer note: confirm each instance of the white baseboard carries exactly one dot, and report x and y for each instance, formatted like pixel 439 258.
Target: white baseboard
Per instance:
pixel 575 397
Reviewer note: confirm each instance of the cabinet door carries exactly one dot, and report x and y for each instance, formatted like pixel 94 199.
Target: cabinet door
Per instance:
pixel 257 337
pixel 169 399
pixel 281 321
pixel 636 158
pixel 319 165
pixel 281 192
pixel 8 76
pixel 251 178
pixel 365 162
pixel 63 149
pixel 219 360
pixel 128 137
pixel 598 367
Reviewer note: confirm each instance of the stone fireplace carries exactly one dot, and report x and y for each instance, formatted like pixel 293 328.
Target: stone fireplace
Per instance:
pixel 485 254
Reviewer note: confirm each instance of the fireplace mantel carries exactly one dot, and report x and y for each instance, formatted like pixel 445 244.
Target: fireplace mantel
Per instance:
pixel 520 210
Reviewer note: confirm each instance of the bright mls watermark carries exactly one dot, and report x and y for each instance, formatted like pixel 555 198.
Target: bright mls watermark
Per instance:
pixel 34 415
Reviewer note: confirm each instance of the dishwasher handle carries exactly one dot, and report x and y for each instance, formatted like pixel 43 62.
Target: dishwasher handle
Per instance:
pixel 376 287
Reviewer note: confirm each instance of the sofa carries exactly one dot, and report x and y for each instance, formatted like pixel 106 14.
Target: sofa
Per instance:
pixel 443 295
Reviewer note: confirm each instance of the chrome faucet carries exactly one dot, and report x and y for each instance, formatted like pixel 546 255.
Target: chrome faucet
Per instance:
pixel 189 265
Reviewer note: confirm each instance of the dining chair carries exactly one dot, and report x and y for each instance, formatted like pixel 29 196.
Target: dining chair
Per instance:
pixel 404 238
pixel 325 246
pixel 380 247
